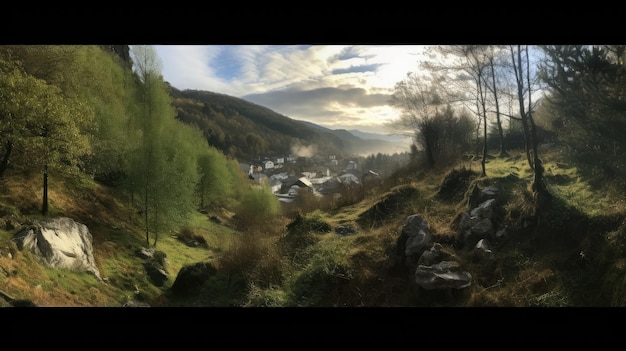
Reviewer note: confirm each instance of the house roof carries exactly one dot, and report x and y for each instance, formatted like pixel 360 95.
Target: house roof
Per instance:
pixel 304 181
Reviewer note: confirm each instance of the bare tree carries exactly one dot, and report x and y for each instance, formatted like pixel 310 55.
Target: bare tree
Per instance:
pixel 419 102
pixel 520 60
pixel 467 66
pixel 494 89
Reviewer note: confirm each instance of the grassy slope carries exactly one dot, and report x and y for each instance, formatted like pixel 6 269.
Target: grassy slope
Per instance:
pixel 116 232
pixel 563 263
pixel 575 263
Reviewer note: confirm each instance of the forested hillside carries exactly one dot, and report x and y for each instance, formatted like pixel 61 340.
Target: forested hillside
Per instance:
pixel 498 206
pixel 243 130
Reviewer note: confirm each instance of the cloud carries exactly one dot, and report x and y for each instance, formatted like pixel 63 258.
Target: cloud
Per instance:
pixel 337 86
pixel 358 69
pixel 294 100
pixel 194 67
pixel 344 106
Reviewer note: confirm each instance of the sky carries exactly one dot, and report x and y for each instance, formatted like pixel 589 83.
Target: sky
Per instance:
pixel 335 86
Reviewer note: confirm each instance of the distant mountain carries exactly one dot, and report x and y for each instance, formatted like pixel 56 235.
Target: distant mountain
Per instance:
pixel 394 138
pixel 242 129
pixel 362 143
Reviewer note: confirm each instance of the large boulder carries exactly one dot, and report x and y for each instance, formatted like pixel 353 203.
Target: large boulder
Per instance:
pixel 191 278
pixel 59 243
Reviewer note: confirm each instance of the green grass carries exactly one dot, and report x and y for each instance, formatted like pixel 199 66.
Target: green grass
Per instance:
pixel 566 183
pixel 117 234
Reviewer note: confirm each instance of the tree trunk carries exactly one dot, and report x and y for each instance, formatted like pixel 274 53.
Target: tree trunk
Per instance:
pixel 145 213
pixel 543 196
pixel 430 154
pixel 484 159
pixel 520 96
pixel 44 206
pixel 156 226
pixel 201 194
pixel 527 139
pixel 482 97
pixel 5 159
pixel 503 152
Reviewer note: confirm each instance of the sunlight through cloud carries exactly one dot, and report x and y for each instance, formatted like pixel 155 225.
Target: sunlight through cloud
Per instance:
pixel 330 85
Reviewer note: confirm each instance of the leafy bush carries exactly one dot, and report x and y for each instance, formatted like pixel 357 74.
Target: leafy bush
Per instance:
pixel 257 206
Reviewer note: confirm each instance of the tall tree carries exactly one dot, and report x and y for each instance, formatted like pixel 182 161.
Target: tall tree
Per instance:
pixel 418 103
pixel 42 124
pixel 154 109
pixel 494 89
pixel 518 69
pixel 175 182
pixel 164 168
pixel 520 58
pixel 106 83
pixel 216 183
pixel 466 71
pixel 470 65
pixel 478 67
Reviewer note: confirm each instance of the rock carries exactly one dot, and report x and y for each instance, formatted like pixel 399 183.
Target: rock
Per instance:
pixel 417 231
pixel 131 303
pixel 190 278
pixel 484 210
pixel 489 192
pixel 442 275
pixel 144 253
pixel 156 272
pixel 345 230
pixel 434 255
pixel 59 243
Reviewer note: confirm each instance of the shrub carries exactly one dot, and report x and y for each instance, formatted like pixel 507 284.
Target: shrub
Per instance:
pixel 253 261
pixel 189 237
pixel 258 206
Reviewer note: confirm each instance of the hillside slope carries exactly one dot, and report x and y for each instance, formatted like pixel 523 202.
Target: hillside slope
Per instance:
pixel 575 259
pixel 353 256
pixel 243 129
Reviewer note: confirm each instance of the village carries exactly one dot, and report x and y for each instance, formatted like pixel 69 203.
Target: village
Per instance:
pixel 320 176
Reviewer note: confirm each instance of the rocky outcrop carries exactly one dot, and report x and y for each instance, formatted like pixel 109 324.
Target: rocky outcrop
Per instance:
pixel 414 238
pixel 155 263
pixel 191 277
pixel 480 222
pixel 432 267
